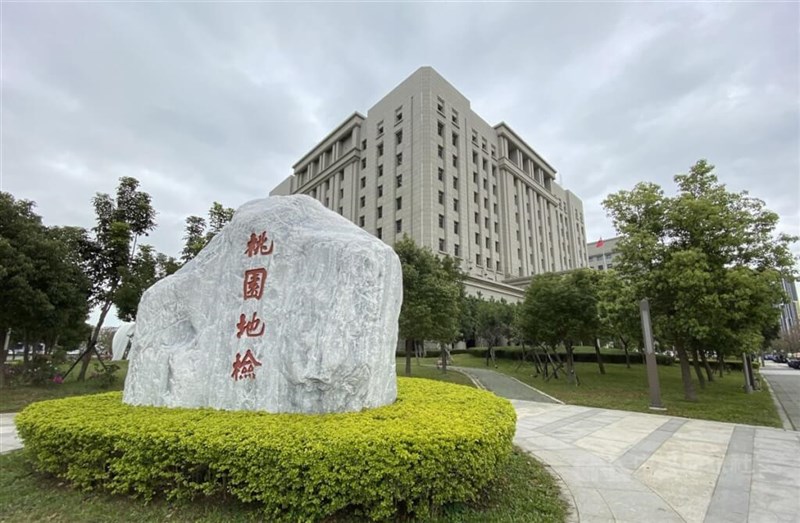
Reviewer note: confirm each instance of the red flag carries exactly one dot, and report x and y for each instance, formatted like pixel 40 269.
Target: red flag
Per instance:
pixel 600 243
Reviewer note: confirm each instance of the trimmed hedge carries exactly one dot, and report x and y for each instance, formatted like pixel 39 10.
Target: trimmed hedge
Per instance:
pixel 438 443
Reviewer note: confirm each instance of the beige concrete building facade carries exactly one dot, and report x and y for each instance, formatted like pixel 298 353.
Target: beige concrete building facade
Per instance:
pixel 422 163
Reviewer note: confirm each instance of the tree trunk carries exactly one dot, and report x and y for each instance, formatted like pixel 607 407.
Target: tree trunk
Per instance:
pixel 26 350
pixel 90 346
pixel 443 354
pixel 627 354
pixel 709 372
pixel 409 348
pixel 696 365
pixel 572 377
pixel 689 393
pixel 599 357
pixel 720 363
pixel 3 357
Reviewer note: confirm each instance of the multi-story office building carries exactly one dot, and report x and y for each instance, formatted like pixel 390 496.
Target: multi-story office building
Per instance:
pixel 601 253
pixel 423 164
pixel 789 310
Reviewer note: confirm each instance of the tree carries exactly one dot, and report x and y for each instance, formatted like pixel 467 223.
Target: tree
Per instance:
pixel 788 342
pixel 107 255
pixel 42 287
pixel 494 322
pixel 146 268
pixel 561 309
pixel 618 311
pixel 432 293
pixel 696 255
pixel 197 235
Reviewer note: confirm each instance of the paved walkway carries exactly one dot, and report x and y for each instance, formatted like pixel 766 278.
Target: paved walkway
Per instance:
pixel 637 467
pixel 504 385
pixel 8 434
pixel 785 384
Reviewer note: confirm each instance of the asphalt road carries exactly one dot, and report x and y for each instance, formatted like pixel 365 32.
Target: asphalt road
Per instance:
pixel 785 383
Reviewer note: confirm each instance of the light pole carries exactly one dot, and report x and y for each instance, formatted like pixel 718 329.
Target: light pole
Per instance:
pixel 650 357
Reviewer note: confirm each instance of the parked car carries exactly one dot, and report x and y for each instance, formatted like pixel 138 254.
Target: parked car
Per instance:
pixel 780 358
pixel 795 364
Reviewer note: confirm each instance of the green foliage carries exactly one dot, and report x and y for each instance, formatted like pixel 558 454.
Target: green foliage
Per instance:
pixel 438 443
pixel 43 289
pixel 197 235
pixel 494 320
pixel 106 375
pixel 433 290
pixel 708 259
pixel 146 268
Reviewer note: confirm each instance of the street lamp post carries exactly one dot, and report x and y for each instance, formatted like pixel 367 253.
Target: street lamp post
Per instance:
pixel 650 357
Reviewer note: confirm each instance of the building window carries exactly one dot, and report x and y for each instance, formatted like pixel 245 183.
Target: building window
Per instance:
pixel 475 197
pixel 494 208
pixel 498 265
pixel 475 157
pixel 455 227
pixel 496 227
pixel 477 259
pixel 398 114
pixel 485 164
pixel 475 137
pixel 455 205
pixel 454 118
pixel 475 177
pixel 494 190
pixel 497 246
pixel 327 202
pixel 441 174
pixel 441 221
pixel 486 203
pixel 455 182
pixel 363 163
pixel 380 149
pixel 488 263
pixel 455 161
pixel 399 180
pixel 486 223
pixel 398 203
pixel 456 251
pixel 441 245
pixel 440 105
pixel 476 218
pixel 483 144
pixel 379 232
pixel 494 153
pixel 486 242
pixel 477 239
pixel 380 191
pixel 455 139
pixel 398 137
pixel 361 202
pixel 341 193
pixel 340 210
pixel 485 185
pixel 398 159
pixel 398 226
pixel 380 212
pixel 363 181
pixel 363 145
pixel 440 129
pixel 441 197
pixel 380 170
pixel 440 151
pixel 361 221
pixel 380 128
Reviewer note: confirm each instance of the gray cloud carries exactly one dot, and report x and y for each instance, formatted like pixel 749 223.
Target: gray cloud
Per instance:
pixel 216 102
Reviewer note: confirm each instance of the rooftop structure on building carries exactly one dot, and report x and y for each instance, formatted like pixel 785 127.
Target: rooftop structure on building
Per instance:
pixel 423 164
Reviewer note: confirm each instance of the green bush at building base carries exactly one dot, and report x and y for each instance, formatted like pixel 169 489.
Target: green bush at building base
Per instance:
pixel 438 443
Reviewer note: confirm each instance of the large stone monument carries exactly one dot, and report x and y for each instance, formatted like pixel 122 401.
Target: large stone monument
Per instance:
pixel 290 308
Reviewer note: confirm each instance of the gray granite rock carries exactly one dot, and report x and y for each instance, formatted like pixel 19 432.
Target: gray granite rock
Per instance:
pixel 290 308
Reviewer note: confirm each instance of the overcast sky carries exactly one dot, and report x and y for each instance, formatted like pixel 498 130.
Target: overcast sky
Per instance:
pixel 205 102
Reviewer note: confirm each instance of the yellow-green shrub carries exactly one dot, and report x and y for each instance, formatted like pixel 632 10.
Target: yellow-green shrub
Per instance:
pixel 438 443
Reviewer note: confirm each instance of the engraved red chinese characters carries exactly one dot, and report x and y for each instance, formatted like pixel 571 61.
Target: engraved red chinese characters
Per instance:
pixel 245 367
pixel 249 328
pixel 258 245
pixel 253 285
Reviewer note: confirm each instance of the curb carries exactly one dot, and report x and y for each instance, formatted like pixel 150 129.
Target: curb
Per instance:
pixel 787 424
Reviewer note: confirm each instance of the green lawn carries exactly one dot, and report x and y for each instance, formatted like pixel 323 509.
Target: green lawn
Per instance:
pixel 626 389
pixel 14 399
